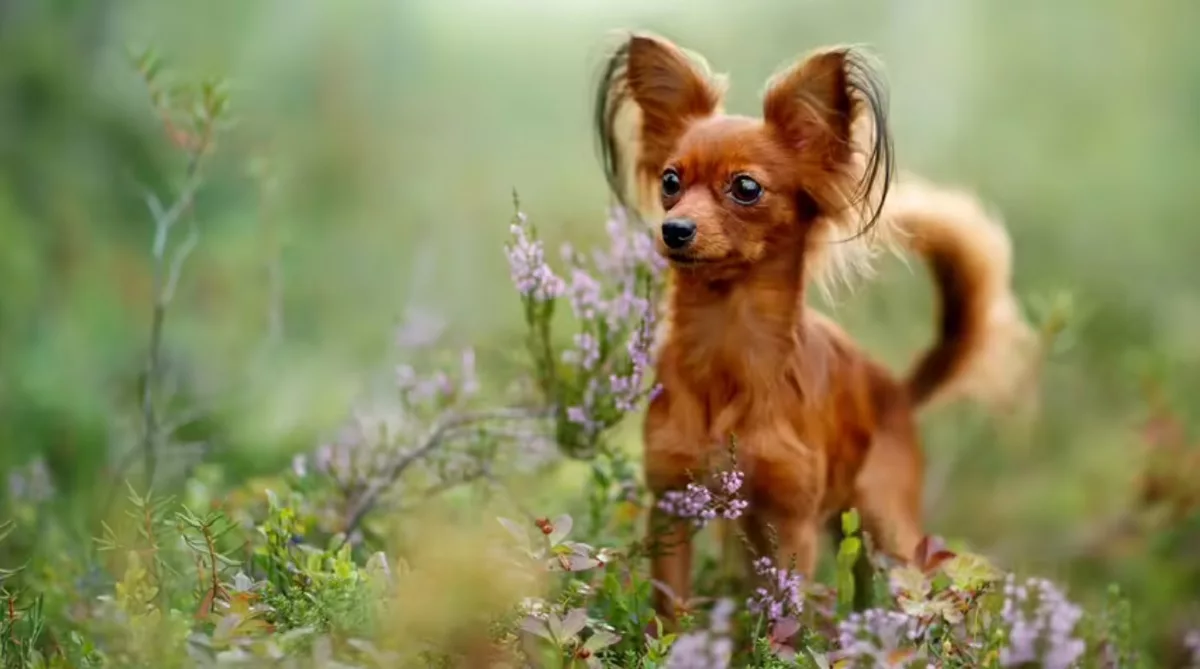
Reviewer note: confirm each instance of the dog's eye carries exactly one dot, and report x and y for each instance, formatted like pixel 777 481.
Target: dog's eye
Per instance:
pixel 671 184
pixel 745 190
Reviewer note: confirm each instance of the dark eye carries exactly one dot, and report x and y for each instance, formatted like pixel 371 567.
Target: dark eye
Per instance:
pixel 745 190
pixel 671 184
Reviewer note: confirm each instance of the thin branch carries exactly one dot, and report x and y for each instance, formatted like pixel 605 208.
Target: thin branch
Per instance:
pixel 181 254
pixel 164 221
pixel 435 438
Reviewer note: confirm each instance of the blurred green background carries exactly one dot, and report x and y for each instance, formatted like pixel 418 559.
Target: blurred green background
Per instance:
pixel 395 133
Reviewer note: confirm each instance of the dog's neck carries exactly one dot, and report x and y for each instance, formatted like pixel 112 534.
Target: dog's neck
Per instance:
pixel 743 330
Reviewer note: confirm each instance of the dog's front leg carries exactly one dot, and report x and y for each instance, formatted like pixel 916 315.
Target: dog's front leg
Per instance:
pixel 673 455
pixel 670 540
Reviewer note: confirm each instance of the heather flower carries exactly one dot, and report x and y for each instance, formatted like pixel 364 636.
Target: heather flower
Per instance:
pixel 585 354
pixel 584 293
pixel 1041 623
pixel 360 449
pixel 627 389
pixel 780 594
pixel 629 248
pixel 701 504
pixel 706 649
pixel 877 638
pixel 611 299
pixel 437 389
pixel 700 650
pixel 527 264
pixel 381 427
pixel 720 618
pixel 584 414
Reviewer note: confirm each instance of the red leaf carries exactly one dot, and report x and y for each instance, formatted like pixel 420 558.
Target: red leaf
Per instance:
pixel 931 553
pixel 205 605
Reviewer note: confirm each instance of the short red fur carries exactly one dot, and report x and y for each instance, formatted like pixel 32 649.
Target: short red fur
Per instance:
pixel 768 203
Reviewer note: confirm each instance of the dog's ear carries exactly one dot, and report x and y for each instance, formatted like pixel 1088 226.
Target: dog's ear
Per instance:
pixel 670 88
pixel 830 108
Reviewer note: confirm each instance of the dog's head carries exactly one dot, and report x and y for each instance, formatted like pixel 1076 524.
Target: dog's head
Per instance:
pixel 736 190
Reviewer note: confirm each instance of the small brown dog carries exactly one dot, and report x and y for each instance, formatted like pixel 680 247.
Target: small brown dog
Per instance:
pixel 756 209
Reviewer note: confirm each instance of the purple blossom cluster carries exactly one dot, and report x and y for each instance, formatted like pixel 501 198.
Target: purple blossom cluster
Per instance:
pixel 585 354
pixel 710 648
pixel 1041 623
pixel 358 451
pixel 611 295
pixel 630 248
pixel 378 428
pixel 781 593
pixel 701 504
pixel 877 638
pixel 627 389
pixel 607 316
pixel 436 390
pixel 527 264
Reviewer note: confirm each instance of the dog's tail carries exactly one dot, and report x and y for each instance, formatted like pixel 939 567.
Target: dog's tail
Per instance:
pixel 984 349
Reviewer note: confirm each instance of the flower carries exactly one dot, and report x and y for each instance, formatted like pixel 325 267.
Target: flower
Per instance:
pixel 584 293
pixel 701 504
pixel 527 264
pixel 781 593
pixel 612 301
pixel 1037 611
pixel 877 637
pixel 709 648
pixel 700 650
pixel 586 353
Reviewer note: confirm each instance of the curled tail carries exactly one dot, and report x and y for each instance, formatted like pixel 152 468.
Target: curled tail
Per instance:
pixel 984 347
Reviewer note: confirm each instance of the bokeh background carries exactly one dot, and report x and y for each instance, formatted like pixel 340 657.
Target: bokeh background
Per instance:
pixel 371 175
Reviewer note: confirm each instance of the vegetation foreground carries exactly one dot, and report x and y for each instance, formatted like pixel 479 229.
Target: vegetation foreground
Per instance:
pixel 367 552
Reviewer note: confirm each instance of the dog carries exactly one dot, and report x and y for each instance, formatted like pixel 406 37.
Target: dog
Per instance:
pixel 754 212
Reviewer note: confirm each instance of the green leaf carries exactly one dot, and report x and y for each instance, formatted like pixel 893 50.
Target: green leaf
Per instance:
pixel 970 572
pixel 850 522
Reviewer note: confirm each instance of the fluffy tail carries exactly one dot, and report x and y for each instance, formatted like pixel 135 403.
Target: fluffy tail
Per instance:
pixel 984 348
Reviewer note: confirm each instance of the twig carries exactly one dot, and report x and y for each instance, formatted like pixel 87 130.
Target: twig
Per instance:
pixel 177 260
pixel 164 281
pixel 436 437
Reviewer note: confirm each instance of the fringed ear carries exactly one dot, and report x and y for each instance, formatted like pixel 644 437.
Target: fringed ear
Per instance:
pixel 669 89
pixel 831 109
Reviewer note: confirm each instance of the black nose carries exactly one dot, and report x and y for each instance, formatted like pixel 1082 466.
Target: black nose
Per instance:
pixel 678 232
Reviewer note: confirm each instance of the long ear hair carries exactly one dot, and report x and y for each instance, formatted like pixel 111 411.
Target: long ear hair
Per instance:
pixel 832 107
pixel 659 89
